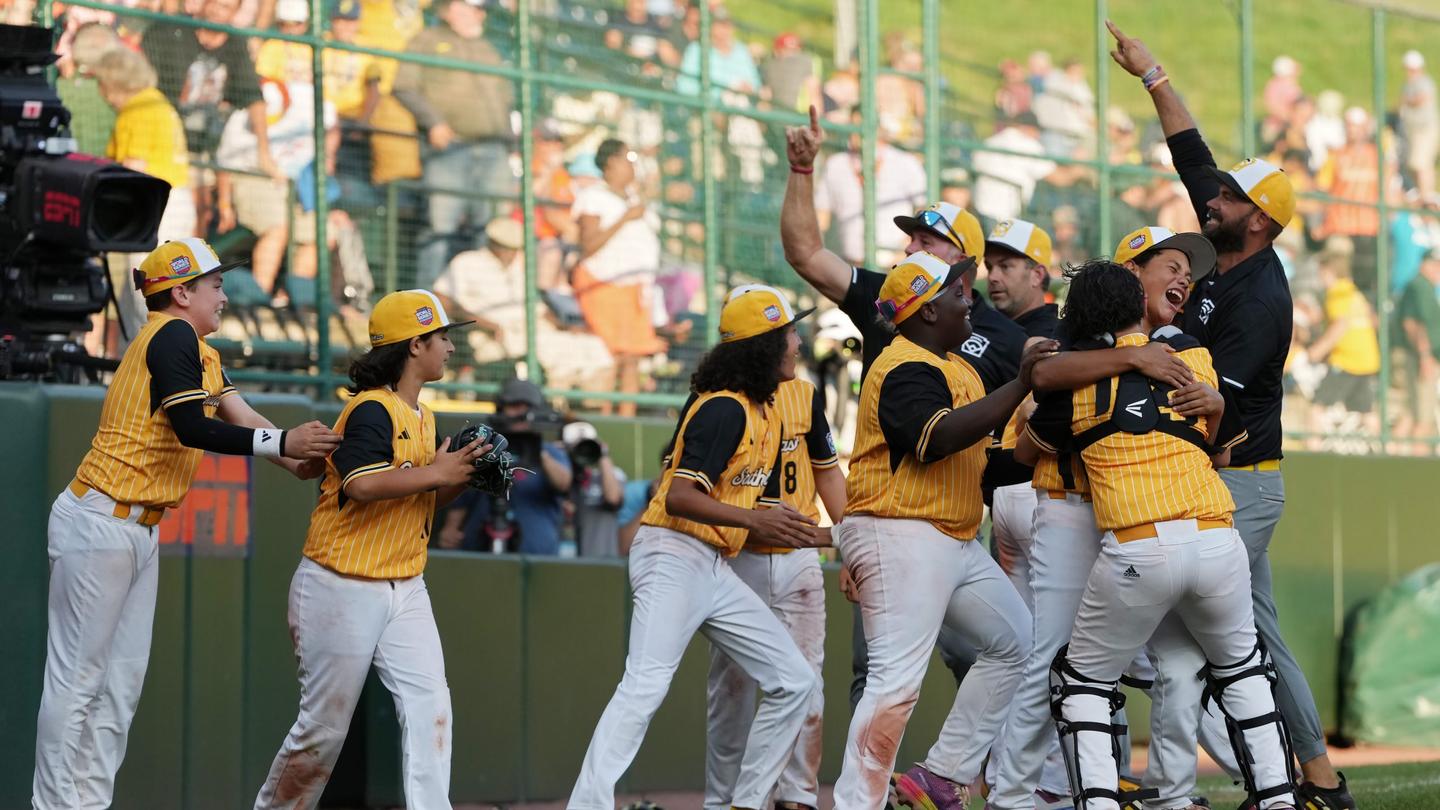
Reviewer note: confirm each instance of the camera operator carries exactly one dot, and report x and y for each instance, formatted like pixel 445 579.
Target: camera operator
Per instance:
pixel 531 520
pixel 597 493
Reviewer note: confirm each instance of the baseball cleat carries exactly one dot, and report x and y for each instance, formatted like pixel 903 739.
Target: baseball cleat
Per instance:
pixel 1313 797
pixel 1045 800
pixel 920 789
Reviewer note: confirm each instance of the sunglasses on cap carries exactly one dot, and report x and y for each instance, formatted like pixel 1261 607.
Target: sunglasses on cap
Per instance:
pixel 933 219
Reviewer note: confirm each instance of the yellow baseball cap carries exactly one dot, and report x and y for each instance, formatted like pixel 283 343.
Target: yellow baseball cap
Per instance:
pixel 1264 184
pixel 918 278
pixel 178 262
pixel 406 314
pixel 1154 237
pixel 754 309
pixel 950 221
pixel 1020 236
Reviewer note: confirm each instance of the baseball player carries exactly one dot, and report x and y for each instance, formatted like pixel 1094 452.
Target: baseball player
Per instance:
pixel 1168 544
pixel 992 348
pixel 1242 315
pixel 908 536
pixel 358 596
pixel 168 403
pixel 790 582
pixel 1064 546
pixel 725 448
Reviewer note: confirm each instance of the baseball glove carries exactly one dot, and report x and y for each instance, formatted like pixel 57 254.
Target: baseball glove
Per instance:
pixel 495 470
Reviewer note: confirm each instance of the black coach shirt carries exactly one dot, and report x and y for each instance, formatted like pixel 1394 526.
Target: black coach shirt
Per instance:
pixel 993 350
pixel 1042 321
pixel 1242 316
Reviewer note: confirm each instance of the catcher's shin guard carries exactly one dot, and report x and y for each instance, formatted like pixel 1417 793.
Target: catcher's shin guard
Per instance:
pixel 1245 693
pixel 1082 706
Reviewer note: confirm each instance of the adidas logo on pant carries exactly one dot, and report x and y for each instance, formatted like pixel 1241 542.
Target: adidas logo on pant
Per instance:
pixel 1131 573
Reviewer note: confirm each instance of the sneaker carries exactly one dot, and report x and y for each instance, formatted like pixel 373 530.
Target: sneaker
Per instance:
pixel 920 789
pixel 1313 797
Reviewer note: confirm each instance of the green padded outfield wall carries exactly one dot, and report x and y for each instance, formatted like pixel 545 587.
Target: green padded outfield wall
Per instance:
pixel 533 647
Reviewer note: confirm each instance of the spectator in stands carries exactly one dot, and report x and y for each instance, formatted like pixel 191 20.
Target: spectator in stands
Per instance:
pixel 640 35
pixel 532 519
pixel 1124 138
pixel 1040 70
pixel 1004 182
pixel 899 96
pixel 791 76
pixel 1065 111
pixel 1326 130
pixel 1349 346
pixel 1420 123
pixel 1413 235
pixel 1014 95
pixel 1291 136
pixel 466 118
pixel 91 118
pixel 597 493
pixel 900 187
pixel 1168 199
pixel 207 74
pixel 282 60
pixel 1352 172
pixel 260 204
pixel 619 258
pixel 555 230
pixel 1069 245
pixel 1282 91
pixel 147 137
pixel 842 92
pixel 1419 315
pixel 731 65
pixel 489 283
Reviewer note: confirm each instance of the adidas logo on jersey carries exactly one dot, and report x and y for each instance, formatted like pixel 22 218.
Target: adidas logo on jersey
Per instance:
pixel 1131 573
pixel 404 433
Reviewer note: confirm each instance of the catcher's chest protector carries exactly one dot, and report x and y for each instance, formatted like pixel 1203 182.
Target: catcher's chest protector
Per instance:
pixel 1140 405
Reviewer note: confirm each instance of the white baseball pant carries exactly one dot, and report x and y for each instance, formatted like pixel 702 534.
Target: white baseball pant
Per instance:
pixel 103 577
pixel 340 626
pixel 1198 574
pixel 793 586
pixel 912 579
pixel 682 585
pixel 1059 555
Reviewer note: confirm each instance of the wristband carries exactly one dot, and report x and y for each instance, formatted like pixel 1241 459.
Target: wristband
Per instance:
pixel 802 169
pixel 268 443
pixel 1150 74
pixel 1153 85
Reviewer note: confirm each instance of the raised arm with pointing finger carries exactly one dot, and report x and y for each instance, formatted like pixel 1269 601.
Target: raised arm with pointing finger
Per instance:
pixel 799 227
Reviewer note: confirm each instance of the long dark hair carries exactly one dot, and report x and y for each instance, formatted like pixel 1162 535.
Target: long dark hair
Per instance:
pixel 750 366
pixel 1104 297
pixel 381 366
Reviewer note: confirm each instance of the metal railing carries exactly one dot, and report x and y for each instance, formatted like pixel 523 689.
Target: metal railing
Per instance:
pixel 718 210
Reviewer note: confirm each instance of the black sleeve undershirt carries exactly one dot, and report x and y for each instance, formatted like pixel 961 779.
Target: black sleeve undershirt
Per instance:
pixel 711 438
pixel 819 440
pixel 368 440
pixel 173 360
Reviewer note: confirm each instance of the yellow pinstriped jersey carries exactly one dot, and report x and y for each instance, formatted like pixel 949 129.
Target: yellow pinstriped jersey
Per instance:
pixel 730 455
pixel 1147 477
pixel 1047 474
pixel 383 539
pixel 136 458
pixel 893 482
pixel 805 446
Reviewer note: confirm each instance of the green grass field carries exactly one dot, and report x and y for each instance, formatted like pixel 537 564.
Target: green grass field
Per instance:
pixel 1409 786
pixel 1197 42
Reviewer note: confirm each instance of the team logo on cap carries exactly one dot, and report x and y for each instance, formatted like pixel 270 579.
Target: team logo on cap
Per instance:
pixel 425 315
pixel 1137 241
pixel 181 265
pixel 1001 229
pixel 919 285
pixel 772 313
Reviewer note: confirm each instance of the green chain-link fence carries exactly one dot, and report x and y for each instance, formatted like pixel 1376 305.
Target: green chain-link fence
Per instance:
pixel 913 83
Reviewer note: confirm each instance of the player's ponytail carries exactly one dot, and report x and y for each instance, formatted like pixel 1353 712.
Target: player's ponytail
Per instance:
pixel 380 367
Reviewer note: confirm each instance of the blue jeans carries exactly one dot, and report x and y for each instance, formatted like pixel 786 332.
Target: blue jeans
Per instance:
pixel 463 169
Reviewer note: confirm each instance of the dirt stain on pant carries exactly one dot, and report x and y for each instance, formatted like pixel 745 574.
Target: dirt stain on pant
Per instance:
pixel 879 738
pixel 303 776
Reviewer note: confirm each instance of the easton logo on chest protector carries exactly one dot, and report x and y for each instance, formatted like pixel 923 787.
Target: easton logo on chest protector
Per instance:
pixel 1141 405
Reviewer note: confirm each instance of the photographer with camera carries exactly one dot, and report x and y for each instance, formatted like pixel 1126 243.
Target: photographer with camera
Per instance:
pixel 531 519
pixel 597 493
